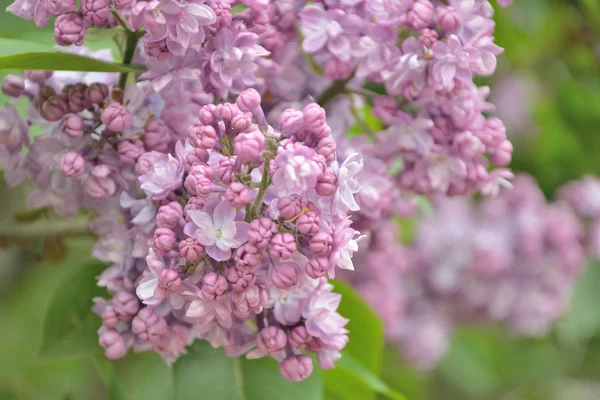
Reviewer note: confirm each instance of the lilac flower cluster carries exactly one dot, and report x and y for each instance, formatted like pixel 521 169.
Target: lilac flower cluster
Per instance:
pixel 511 260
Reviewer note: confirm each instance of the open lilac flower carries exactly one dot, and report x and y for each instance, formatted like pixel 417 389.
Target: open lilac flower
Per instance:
pixel 216 229
pixel 348 186
pixel 164 175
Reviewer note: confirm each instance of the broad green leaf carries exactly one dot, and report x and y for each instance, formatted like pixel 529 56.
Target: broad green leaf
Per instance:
pixel 9 47
pixel 348 380
pixel 366 329
pixel 58 61
pixel 209 374
pixel 143 376
pixel 69 325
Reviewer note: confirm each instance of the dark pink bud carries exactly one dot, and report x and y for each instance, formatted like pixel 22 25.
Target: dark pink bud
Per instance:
pixel 190 249
pixel 290 121
pixel 271 340
pixel 428 37
pixel 314 115
pixel 39 77
pixel 13 86
pixel 146 162
pixel 448 18
pixel 58 7
pixel 54 108
pixel 327 184
pixel 125 305
pixel 283 246
pixel 163 240
pixel 322 131
pixel 100 187
pixel 156 135
pixel 72 164
pixel 248 146
pixel 109 318
pixel 326 147
pixel 248 257
pixel 214 286
pixel 116 117
pixel 290 206
pixel 206 114
pixel 194 203
pixel 321 243
pixel 42 96
pixel 130 151
pixel 261 231
pixel 502 155
pixel 196 156
pixel 95 12
pixel 148 325
pixel 97 93
pixel 308 223
pixel 241 122
pixel 238 195
pixel 199 180
pixel 299 337
pixel 169 215
pixel 77 97
pixel 317 267
pixel 121 4
pixel 71 125
pixel 421 14
pixel 224 169
pixel 240 278
pixel 69 29
pixel 202 136
pixel 169 280
pixel 226 111
pixel 285 275
pixel 248 100
pixel 113 343
pixel 296 368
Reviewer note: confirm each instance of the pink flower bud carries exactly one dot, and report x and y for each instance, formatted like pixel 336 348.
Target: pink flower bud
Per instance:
pixel 271 340
pixel 130 151
pixel 290 206
pixel 169 280
pixel 326 147
pixel 248 146
pixel 194 203
pixel 163 240
pixel 493 133
pixel 224 169
pixel 125 305
pixel 13 86
pixel 39 77
pixel 97 93
pixel 248 257
pixel 248 100
pixel 72 164
pixel 121 4
pixel 290 121
pixel 214 286
pixel 327 184
pixel 223 13
pixel 337 69
pixel 299 337
pixel 157 49
pixel 95 12
pixel 421 14
pixel 206 114
pixel 77 97
pixel 109 318
pixel 100 187
pixel 428 37
pixel 42 96
pixel 196 156
pixel 261 231
pixel 308 223
pixel 113 343
pixel 502 155
pixel 296 368
pixel 322 131
pixel 317 267
pixel 190 249
pixel 202 136
pixel 448 18
pixel 58 7
pixel 54 108
pixel 146 162
pixel 285 275
pixel 226 111
pixel 156 135
pixel 69 29
pixel 199 180
pixel 238 195
pixel 283 246
pixel 116 117
pixel 241 122
pixel 169 215
pixel 240 278
pixel 321 243
pixel 314 115
pixel 148 326
pixel 71 125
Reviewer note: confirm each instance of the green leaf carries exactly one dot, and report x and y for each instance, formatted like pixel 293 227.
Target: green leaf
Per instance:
pixel 209 374
pixel 366 329
pixel 349 378
pixel 143 376
pixel 69 325
pixel 57 61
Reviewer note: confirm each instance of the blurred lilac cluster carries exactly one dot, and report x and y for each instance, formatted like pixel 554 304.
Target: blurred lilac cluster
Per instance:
pixel 510 260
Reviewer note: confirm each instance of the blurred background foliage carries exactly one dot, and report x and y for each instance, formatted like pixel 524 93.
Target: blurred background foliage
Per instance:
pixel 547 90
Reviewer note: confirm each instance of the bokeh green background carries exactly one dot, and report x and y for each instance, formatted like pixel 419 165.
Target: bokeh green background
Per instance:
pixel 551 46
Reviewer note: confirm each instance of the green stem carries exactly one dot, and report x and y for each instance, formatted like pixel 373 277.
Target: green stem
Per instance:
pixel 264 184
pixel 130 45
pixel 47 229
pixel 336 88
